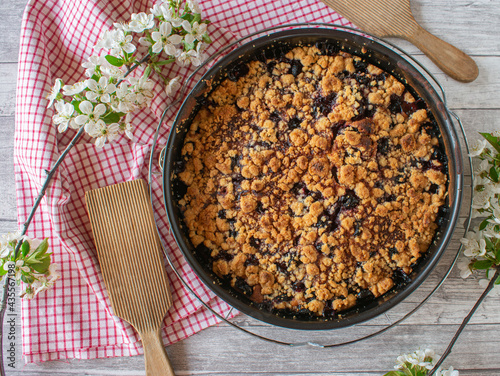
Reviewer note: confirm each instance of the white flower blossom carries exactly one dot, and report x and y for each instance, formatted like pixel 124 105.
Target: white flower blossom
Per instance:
pixel 196 32
pixel 141 22
pixel 99 90
pixel 484 166
pixel 495 208
pixel 20 268
pixel 112 72
pixel 422 358
pixel 76 88
pixel 474 244
pixel 90 114
pixel 120 41
pixel 193 6
pixel 477 148
pixel 495 133
pixel 122 26
pixel 92 63
pixel 142 91
pixel 463 266
pixel 54 92
pixel 448 372
pixel 173 85
pixel 64 115
pixel 481 199
pixel 491 232
pixel 6 242
pixel 194 57
pixel 102 132
pixel 165 40
pixel 127 129
pixel 122 101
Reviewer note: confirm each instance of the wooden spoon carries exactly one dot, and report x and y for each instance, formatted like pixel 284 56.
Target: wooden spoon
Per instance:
pixel 129 253
pixel 393 18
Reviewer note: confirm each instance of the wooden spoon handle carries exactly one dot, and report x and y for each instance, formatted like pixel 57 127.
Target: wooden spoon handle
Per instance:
pixel 452 61
pixel 155 356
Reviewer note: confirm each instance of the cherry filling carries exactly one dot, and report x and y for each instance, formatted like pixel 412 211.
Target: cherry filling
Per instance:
pixel 324 105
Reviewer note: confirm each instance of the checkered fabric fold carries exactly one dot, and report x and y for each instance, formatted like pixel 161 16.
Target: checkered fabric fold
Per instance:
pixel 74 320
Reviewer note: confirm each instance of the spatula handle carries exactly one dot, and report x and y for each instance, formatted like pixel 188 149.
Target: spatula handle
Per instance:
pixel 452 61
pixel 155 356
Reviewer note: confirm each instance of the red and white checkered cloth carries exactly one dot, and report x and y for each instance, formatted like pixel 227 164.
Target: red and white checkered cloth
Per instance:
pixel 74 319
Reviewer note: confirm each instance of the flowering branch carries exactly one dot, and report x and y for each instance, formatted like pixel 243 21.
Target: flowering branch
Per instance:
pixel 482 246
pixel 419 363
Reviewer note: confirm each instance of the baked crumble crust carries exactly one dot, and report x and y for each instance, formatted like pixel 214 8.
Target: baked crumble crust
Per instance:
pixel 313 182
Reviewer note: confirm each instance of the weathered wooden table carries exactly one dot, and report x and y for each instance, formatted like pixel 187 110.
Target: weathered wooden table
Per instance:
pixel 471 25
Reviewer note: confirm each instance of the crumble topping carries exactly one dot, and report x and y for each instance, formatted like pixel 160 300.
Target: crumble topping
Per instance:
pixel 313 182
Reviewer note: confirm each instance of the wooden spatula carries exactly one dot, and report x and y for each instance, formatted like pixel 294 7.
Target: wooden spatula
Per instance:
pixel 129 253
pixel 393 18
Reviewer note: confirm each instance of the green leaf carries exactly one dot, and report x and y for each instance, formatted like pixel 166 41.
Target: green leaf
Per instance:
pixel 482 264
pixel 197 18
pixel 497 282
pixel 42 247
pixel 114 60
pixel 483 224
pixel 206 38
pixel 394 373
pixel 43 266
pixel 188 16
pixel 492 140
pixel 76 105
pixel 112 117
pixel 27 279
pixel 165 62
pixel 489 245
pixel 147 71
pixel 2 270
pixel 189 46
pixel 494 174
pixel 25 248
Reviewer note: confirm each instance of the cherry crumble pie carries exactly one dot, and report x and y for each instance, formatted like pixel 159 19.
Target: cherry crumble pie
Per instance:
pixel 312 182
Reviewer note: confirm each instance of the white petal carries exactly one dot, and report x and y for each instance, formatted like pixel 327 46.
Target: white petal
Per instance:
pixel 157 47
pixel 91 96
pixel 103 82
pixel 129 48
pixel 111 88
pixel 62 127
pixel 92 84
pixel 100 141
pixel 156 36
pixel 186 25
pixel 86 107
pixel 189 38
pixel 99 110
pixel 165 28
pixel 175 39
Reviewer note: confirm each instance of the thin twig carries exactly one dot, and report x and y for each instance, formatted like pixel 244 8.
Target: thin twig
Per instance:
pixel 466 321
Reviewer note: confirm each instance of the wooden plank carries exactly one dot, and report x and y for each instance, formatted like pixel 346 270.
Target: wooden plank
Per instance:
pixel 8 209
pixel 222 350
pixel 11 13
